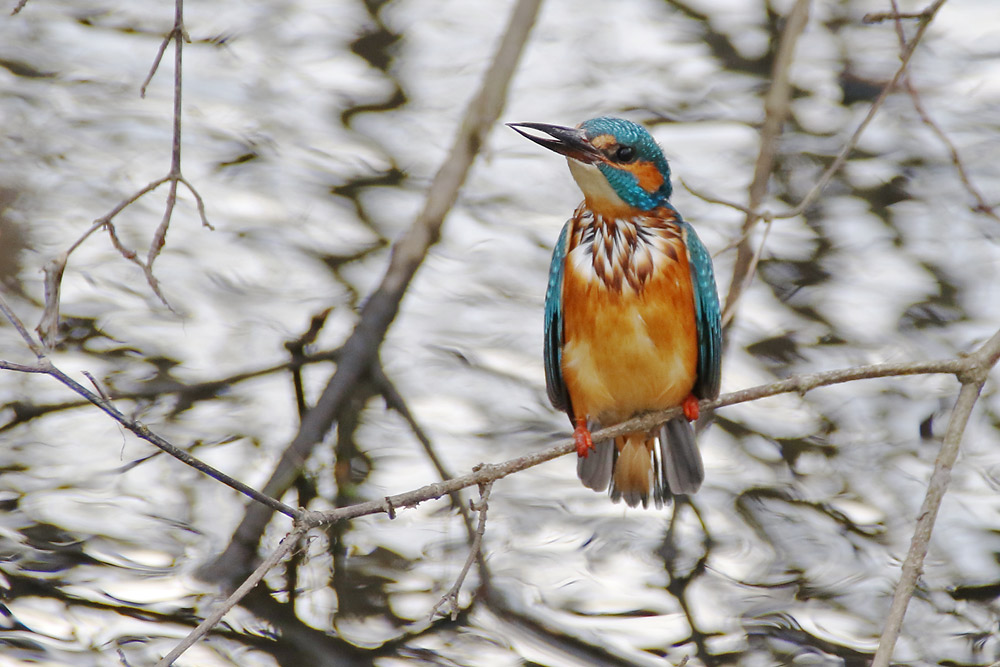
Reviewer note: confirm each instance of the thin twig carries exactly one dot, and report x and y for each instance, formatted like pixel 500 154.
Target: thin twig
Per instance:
pixel 972 385
pixel 195 392
pixel 752 210
pixel 45 366
pixel 938 484
pixel 714 200
pixel 394 400
pixel 48 327
pixel 475 551
pixel 751 270
pixel 982 206
pixel 18 325
pixel 286 545
pixel 841 158
pixel 895 14
pixel 97 385
pixel 156 62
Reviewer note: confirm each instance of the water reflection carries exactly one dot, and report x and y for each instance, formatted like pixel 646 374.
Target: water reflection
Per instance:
pixel 312 131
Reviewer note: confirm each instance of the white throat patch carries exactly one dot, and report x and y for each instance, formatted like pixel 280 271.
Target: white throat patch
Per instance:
pixel 594 186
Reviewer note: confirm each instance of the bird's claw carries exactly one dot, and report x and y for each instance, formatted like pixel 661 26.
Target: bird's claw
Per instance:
pixel 581 436
pixel 691 408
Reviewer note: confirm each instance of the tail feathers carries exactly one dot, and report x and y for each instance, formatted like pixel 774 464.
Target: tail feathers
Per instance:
pixel 638 467
pixel 680 463
pixel 595 470
pixel 633 471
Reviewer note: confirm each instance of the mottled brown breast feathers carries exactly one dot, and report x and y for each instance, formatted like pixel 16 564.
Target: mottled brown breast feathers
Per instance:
pixel 622 253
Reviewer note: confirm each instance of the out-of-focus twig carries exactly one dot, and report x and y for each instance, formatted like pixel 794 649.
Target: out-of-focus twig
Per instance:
pixel 895 14
pixel 982 206
pixel 360 351
pixel 777 105
pixel 745 257
pixel 841 158
pixel 394 400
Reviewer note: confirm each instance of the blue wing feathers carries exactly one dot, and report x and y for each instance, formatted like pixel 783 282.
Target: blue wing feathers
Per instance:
pixel 554 328
pixel 707 314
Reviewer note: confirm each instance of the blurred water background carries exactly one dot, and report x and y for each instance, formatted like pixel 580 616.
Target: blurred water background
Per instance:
pixel 312 130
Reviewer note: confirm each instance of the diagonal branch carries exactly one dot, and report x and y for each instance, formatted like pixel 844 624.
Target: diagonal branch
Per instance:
pixel 936 488
pixel 287 544
pixel 981 360
pixel 46 367
pixel 360 351
pixel 982 206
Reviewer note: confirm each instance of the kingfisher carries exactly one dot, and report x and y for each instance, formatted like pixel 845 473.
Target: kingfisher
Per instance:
pixel 632 320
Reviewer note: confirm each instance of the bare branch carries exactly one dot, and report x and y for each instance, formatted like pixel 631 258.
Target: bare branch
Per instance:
pixel 286 545
pixel 49 324
pixel 46 367
pixel 156 62
pixel 22 368
pixel 936 488
pixel 741 268
pixel 475 553
pixel 199 201
pixel 394 400
pixel 361 349
pixel 713 200
pixel 980 361
pixel 895 14
pixel 982 206
pixel 841 158
pixel 12 317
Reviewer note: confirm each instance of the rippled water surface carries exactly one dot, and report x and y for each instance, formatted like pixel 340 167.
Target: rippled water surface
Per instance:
pixel 312 130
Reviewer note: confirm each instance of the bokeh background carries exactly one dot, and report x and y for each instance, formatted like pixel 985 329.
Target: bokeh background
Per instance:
pixel 312 130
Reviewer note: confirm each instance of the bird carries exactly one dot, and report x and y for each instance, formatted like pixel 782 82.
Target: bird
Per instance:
pixel 632 319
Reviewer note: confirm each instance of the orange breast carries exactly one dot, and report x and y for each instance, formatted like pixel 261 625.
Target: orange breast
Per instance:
pixel 628 351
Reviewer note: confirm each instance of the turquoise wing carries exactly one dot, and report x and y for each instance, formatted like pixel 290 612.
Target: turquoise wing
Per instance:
pixel 707 314
pixel 554 327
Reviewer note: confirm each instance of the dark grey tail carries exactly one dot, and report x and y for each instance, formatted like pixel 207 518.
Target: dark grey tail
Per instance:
pixel 595 470
pixel 680 471
pixel 676 467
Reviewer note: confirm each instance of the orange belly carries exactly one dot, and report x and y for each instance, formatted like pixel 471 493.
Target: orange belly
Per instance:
pixel 627 352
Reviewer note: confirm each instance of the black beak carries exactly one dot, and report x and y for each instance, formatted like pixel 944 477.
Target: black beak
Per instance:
pixel 567 141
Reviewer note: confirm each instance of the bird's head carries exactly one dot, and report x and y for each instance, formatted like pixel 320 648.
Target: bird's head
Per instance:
pixel 616 162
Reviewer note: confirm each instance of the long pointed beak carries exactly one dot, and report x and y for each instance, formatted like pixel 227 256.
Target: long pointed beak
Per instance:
pixel 568 141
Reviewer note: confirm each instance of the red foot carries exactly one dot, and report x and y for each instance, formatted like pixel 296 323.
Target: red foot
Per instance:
pixel 581 436
pixel 691 408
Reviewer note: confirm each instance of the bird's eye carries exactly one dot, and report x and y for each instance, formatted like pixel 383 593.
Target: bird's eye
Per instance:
pixel 624 153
